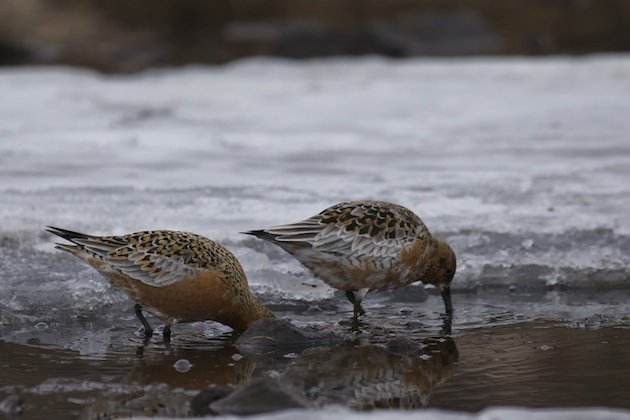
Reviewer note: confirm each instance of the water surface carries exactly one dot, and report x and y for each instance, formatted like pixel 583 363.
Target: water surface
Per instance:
pixel 497 353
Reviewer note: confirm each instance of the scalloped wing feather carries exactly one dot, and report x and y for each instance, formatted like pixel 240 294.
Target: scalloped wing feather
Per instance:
pixel 150 268
pixel 141 256
pixel 368 228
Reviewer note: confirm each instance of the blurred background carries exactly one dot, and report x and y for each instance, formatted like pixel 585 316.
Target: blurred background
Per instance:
pixel 128 36
pixel 521 164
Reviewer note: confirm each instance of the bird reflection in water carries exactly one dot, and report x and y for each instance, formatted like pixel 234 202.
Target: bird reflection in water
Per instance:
pixel 400 373
pixel 403 374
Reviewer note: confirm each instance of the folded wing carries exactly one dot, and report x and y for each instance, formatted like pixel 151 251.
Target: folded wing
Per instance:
pixel 351 229
pixel 156 258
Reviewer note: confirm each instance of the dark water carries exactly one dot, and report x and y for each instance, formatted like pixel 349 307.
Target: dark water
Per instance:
pixel 501 357
pixel 539 364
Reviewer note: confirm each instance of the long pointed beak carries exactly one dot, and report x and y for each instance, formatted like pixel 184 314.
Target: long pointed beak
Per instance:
pixel 446 296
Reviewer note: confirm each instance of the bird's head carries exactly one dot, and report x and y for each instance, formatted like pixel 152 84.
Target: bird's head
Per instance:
pixel 442 272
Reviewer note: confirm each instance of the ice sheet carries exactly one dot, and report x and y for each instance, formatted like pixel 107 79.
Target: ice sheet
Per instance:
pixel 498 413
pixel 522 164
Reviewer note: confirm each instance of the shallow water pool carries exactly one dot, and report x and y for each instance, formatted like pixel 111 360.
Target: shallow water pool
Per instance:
pixel 497 353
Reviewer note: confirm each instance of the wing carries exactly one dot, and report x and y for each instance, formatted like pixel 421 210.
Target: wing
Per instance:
pixel 373 228
pixel 149 265
pixel 156 258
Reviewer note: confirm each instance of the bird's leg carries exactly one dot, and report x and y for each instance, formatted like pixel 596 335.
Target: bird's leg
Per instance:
pixel 447 321
pixel 166 334
pixel 148 331
pixel 358 309
pixel 355 299
pixel 446 296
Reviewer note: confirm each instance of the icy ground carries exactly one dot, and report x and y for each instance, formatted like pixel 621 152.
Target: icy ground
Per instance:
pixel 489 414
pixel 523 165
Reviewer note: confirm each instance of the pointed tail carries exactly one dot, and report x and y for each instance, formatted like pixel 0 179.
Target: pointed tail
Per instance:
pixel 69 236
pixel 66 234
pixel 262 234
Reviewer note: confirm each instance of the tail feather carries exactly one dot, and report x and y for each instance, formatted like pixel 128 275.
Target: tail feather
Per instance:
pixel 75 237
pixel 66 234
pixel 290 246
pixel 262 234
pixel 73 249
pixel 94 246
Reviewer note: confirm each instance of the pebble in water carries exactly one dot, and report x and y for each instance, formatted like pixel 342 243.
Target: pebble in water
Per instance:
pixel 11 406
pixel 182 365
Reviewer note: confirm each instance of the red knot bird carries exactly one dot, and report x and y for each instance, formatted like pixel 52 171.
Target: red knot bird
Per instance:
pixel 176 276
pixel 365 245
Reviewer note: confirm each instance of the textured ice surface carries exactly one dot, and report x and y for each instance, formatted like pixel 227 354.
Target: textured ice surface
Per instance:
pixel 499 413
pixel 523 165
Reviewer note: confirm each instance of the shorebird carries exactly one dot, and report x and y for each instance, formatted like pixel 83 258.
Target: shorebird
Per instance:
pixel 365 245
pixel 176 276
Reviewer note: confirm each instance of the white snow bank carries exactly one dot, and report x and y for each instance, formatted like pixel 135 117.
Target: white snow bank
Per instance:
pixel 522 164
pixel 493 413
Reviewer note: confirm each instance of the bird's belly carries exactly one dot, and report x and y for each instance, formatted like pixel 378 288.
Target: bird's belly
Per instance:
pixel 360 273
pixel 188 300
